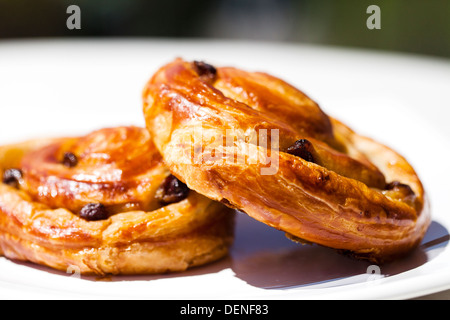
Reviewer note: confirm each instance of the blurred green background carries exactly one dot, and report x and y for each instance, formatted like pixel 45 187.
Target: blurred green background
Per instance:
pixel 414 26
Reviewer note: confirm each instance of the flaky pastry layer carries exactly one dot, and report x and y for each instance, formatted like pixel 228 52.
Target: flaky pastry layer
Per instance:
pixel 329 185
pixel 40 221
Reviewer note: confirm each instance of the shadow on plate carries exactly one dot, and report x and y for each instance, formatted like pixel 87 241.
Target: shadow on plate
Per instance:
pixel 263 257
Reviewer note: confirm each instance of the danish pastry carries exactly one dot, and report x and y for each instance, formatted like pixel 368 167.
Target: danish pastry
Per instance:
pixel 256 143
pixel 105 203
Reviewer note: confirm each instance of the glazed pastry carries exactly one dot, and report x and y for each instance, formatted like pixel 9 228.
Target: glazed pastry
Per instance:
pixel 105 204
pixel 258 144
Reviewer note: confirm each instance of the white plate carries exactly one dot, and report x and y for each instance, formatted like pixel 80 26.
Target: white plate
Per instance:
pixel 50 88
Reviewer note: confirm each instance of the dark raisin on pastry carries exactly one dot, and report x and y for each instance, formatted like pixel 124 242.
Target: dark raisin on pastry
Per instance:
pixel 12 177
pixel 302 148
pixel 171 190
pixel 94 212
pixel 397 186
pixel 205 70
pixel 69 160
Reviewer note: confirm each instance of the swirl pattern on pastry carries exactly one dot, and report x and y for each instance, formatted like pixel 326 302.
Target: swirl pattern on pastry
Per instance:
pixel 93 203
pixel 331 186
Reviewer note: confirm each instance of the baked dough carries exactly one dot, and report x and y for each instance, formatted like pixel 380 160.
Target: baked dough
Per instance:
pixel 120 169
pixel 218 129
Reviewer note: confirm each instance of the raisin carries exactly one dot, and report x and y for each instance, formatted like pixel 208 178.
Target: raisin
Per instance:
pixel 94 212
pixel 171 190
pixel 69 160
pixel 205 70
pixel 12 177
pixel 302 148
pixel 400 187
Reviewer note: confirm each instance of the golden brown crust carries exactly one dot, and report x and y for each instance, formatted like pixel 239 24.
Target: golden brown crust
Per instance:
pixel 115 166
pixel 338 197
pixel 141 238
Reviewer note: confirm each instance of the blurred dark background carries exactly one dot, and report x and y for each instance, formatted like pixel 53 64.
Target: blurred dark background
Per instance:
pixel 414 26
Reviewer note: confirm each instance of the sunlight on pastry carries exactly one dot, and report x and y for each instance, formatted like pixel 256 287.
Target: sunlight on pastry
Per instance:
pixel 332 186
pixel 135 200
pixel 106 204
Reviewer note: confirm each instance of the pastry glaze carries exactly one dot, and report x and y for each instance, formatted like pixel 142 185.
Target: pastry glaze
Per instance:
pixel 340 200
pixel 121 169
